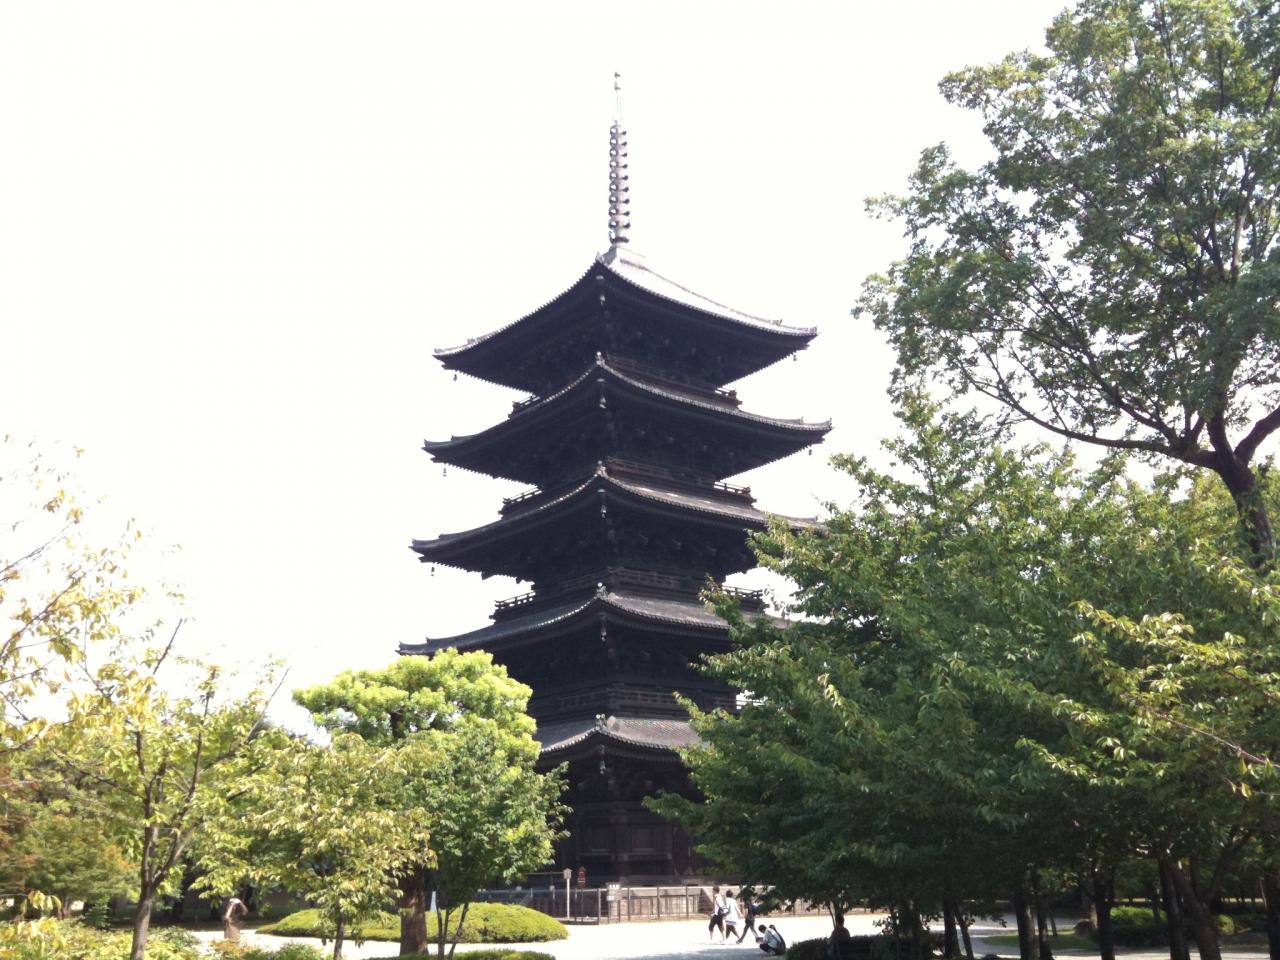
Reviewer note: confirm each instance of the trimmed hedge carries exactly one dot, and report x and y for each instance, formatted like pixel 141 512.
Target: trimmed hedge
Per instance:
pixel 486 923
pixel 860 948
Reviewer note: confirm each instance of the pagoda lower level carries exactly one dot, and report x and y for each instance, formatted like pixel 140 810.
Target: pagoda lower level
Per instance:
pixel 627 438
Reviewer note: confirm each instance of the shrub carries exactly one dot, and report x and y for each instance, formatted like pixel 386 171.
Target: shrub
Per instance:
pixel 815 949
pixel 1135 927
pixel 858 948
pixel 226 950
pixel 486 923
pixel 72 940
pixel 299 951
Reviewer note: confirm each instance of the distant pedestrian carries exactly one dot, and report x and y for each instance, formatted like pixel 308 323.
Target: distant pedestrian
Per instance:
pixel 718 911
pixel 749 907
pixel 231 916
pixel 732 915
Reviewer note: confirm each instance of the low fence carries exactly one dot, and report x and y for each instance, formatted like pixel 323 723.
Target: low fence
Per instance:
pixel 613 903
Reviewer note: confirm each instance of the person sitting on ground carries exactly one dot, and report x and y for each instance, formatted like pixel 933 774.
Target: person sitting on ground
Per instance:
pixel 732 915
pixel 770 941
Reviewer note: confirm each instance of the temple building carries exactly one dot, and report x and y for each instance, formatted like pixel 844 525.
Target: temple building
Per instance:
pixel 626 440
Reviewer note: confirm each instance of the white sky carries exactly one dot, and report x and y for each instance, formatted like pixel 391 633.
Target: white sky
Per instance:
pixel 231 235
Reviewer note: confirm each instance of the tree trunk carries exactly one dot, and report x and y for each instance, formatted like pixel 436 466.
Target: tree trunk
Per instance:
pixel 142 922
pixel 339 934
pixel 964 931
pixel 917 932
pixel 1271 901
pixel 413 913
pixel 457 934
pixel 950 937
pixel 1103 897
pixel 1255 524
pixel 1202 925
pixel 1173 915
pixel 1028 943
pixel 1042 937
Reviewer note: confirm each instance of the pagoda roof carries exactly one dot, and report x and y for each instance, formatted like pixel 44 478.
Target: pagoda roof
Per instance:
pixel 513 355
pixel 491 451
pixel 646 733
pixel 474 549
pixel 688 614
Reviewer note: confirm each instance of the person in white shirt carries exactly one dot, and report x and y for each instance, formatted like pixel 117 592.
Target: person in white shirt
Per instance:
pixel 718 910
pixel 732 915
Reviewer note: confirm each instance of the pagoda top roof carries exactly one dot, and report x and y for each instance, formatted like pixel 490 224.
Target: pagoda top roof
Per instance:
pixel 686 613
pixel 622 271
pixel 645 732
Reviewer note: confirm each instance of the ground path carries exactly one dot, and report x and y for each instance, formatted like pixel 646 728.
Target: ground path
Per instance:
pixel 687 940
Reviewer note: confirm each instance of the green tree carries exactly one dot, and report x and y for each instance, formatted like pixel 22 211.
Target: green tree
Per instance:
pixel 901 729
pixel 54 849
pixel 459 723
pixel 60 590
pixel 325 823
pixel 153 764
pixel 1110 274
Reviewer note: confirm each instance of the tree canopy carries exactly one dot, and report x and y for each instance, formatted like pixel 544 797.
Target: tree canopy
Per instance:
pixel 1111 273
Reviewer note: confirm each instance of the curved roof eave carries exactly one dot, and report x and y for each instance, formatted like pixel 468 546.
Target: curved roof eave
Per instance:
pixel 748 516
pixel 631 270
pixel 734 413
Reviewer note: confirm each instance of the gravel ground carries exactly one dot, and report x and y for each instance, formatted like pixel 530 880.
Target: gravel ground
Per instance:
pixel 687 940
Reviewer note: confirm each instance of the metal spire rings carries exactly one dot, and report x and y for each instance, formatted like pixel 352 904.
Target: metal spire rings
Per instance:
pixel 619 191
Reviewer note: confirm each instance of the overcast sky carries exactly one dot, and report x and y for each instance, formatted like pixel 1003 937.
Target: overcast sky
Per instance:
pixel 231 235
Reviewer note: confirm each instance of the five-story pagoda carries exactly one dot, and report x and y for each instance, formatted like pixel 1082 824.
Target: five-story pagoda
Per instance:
pixel 626 438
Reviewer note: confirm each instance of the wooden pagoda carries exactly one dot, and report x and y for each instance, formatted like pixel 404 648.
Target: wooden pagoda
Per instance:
pixel 626 440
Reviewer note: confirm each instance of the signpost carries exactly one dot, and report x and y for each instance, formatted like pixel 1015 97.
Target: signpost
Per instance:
pixel 568 879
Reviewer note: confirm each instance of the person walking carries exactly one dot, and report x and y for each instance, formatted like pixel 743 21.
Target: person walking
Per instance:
pixel 747 904
pixel 717 914
pixel 732 916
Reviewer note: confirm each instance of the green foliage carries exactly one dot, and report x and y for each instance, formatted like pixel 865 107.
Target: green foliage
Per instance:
pixel 152 759
pixel 321 822
pixel 485 923
pixel 1136 927
pixel 56 850
pixel 815 949
pixel 946 719
pixel 226 950
pixel 61 593
pixel 1110 273
pixel 458 726
pixel 74 941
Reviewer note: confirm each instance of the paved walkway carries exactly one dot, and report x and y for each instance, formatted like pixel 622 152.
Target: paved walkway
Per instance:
pixel 687 940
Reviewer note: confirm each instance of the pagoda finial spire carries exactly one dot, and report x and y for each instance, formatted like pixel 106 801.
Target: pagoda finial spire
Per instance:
pixel 619 191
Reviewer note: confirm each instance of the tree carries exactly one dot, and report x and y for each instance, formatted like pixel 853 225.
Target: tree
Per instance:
pixel 459 723
pixel 900 739
pixel 1110 275
pixel 55 850
pixel 324 823
pixel 150 764
pixel 60 592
